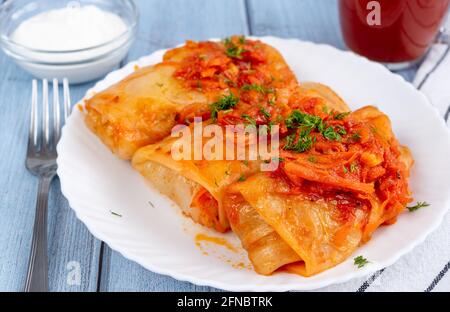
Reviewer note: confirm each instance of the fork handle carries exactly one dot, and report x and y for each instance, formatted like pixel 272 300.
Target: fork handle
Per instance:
pixel 37 277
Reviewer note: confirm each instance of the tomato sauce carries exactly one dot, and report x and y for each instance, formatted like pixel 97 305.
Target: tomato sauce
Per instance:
pixel 369 160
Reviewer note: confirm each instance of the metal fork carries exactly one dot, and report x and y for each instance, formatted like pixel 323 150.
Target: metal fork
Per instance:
pixel 41 161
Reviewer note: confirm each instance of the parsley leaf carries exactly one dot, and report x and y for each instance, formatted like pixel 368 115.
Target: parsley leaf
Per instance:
pixel 298 119
pixel 229 82
pixel 272 101
pixel 242 178
pixel 227 42
pixel 331 135
pixel 257 88
pixel 355 137
pixel 341 116
pixel 275 159
pixel 115 214
pixel 341 130
pixel 353 167
pixel 233 50
pixel 226 102
pixel 303 143
pixel 264 111
pixel 418 206
pixel 249 119
pixel 360 261
pixel 308 123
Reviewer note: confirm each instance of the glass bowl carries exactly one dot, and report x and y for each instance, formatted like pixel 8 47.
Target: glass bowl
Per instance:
pixel 77 65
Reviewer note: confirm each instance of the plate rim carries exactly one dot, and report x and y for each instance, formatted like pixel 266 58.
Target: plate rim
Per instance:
pixel 257 287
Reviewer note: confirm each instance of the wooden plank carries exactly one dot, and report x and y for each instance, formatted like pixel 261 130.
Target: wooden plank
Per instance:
pixel 121 274
pixel 311 20
pixel 165 24
pixel 68 239
pixel 71 246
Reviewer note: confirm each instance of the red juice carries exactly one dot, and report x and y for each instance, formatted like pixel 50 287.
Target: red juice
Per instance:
pixel 391 31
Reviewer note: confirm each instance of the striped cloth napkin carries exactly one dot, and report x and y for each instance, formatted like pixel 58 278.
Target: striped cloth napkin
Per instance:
pixel 426 267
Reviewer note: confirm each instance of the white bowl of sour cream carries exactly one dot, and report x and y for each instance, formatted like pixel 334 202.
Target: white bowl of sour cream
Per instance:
pixel 79 40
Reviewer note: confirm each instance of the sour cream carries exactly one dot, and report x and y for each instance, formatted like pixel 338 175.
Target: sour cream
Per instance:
pixel 78 42
pixel 70 28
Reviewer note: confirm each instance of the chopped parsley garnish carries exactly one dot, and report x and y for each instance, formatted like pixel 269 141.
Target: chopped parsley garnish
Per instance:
pixel 308 123
pixel 355 137
pixel 341 130
pixel 298 119
pixel 245 162
pixel 233 50
pixel 331 135
pixel 418 206
pixel 226 102
pixel 227 42
pixel 242 39
pixel 257 88
pixel 353 167
pixel 242 178
pixel 115 214
pixel 229 82
pixel 271 124
pixel 279 119
pixel 249 119
pixel 228 171
pixel 279 159
pixel 341 116
pixel 303 143
pixel 264 111
pixel 360 261
pixel 345 169
pixel 312 159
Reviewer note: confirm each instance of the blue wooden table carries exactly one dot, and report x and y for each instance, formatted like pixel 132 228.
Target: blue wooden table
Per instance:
pixel 164 23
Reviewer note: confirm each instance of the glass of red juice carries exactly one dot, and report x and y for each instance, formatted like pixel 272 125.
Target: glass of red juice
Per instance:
pixel 397 33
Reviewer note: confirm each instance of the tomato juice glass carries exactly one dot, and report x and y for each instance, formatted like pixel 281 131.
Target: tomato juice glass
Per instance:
pixel 397 33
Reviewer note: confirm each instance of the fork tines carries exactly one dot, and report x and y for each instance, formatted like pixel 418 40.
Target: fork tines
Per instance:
pixel 50 127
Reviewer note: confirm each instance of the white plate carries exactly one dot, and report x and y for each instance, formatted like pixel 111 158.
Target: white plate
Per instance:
pixel 96 183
